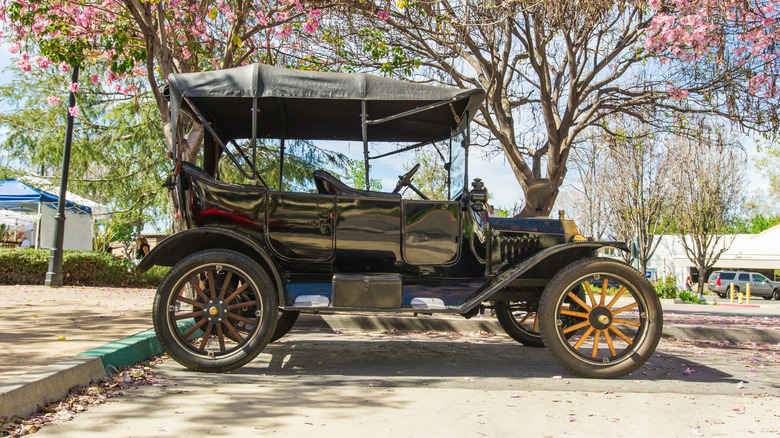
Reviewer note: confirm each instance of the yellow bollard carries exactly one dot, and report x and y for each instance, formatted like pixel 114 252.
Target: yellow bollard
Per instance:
pixel 748 292
pixel 740 298
pixel 731 287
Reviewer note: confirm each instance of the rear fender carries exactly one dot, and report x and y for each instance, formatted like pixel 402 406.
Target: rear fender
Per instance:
pixel 180 245
pixel 542 265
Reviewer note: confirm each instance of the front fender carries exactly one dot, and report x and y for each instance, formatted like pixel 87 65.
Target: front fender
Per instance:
pixel 543 264
pixel 178 246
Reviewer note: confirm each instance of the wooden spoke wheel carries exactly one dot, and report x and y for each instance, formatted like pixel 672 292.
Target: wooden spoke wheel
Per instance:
pixel 215 311
pixel 284 323
pixel 600 318
pixel 519 320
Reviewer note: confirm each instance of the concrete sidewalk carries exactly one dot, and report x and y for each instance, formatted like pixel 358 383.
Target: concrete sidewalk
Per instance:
pixel 56 338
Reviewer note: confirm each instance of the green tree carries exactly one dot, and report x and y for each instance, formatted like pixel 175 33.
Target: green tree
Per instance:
pixel 356 176
pixel 117 157
pixel 431 178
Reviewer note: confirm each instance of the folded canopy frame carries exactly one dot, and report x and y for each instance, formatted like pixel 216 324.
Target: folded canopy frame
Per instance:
pixel 261 101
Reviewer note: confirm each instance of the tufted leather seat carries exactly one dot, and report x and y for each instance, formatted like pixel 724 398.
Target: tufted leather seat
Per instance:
pixel 329 184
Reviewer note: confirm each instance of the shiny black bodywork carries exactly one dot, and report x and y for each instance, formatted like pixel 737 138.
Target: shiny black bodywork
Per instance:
pixel 313 244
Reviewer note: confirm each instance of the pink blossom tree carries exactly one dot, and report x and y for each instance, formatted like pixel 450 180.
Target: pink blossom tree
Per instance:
pixel 740 34
pixel 143 42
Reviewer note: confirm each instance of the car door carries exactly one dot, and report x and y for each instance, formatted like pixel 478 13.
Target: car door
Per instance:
pixel 743 279
pixel 759 285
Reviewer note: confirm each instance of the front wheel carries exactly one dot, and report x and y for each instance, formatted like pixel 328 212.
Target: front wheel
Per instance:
pixel 215 311
pixel 600 318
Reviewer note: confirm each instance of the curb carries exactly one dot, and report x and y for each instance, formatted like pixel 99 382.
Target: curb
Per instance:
pixel 401 323
pixel 23 394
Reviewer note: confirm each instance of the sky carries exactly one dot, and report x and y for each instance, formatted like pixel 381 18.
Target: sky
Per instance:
pixel 496 173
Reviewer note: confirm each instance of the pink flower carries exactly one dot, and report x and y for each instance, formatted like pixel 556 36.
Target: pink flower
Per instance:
pixel 24 62
pixel 64 67
pixel 311 26
pixel 73 87
pixel 73 111
pixel 741 385
pixel 383 15
pixel 315 13
pixel 43 62
pixel 53 100
pixel 94 79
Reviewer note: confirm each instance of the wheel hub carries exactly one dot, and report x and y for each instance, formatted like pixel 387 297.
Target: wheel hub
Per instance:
pixel 215 310
pixel 600 318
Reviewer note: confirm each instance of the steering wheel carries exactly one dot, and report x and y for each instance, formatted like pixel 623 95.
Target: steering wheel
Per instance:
pixel 406 180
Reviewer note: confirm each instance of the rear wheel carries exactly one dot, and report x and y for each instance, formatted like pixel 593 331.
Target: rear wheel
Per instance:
pixel 776 294
pixel 284 323
pixel 215 311
pixel 617 313
pixel 519 320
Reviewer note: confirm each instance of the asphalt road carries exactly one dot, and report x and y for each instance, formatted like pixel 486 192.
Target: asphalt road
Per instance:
pixel 382 384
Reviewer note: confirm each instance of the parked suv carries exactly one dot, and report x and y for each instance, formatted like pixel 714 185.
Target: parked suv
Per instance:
pixel 760 286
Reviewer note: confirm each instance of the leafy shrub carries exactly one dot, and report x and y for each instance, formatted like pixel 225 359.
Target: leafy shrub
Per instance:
pixel 83 268
pixel 691 297
pixel 667 287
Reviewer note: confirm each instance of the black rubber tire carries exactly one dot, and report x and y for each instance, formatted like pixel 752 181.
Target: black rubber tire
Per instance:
pixel 171 293
pixel 284 323
pixel 520 333
pixel 723 295
pixel 776 294
pixel 611 363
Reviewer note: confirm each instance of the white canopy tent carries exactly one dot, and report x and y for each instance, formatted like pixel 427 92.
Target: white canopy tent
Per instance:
pixel 24 208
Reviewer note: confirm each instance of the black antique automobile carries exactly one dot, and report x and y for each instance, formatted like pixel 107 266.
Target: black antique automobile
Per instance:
pixel 251 258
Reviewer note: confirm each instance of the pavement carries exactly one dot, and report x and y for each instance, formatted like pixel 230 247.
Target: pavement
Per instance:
pixel 57 338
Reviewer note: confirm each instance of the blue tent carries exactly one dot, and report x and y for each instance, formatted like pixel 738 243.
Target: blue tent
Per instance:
pixel 18 196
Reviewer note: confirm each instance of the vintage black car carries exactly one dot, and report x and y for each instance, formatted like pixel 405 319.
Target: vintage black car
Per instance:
pixel 251 257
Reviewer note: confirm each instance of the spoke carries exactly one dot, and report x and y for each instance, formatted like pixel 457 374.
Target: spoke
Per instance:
pixel 195 327
pixel 573 313
pixel 524 319
pixel 596 337
pixel 583 338
pixel 236 292
pixel 233 330
pixel 212 289
pixel 536 322
pixel 623 309
pixel 221 337
pixel 188 315
pixel 579 301
pixel 206 336
pixel 626 322
pixel 575 327
pixel 609 343
pixel 617 297
pixel 621 335
pixel 603 292
pixel 225 284
pixel 240 305
pixel 199 290
pixel 239 318
pixel 197 304
pixel 590 293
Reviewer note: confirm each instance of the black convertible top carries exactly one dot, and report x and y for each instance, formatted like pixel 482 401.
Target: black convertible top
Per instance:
pixel 298 104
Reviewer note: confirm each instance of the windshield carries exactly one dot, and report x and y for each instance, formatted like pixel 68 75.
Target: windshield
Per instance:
pixel 457 165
